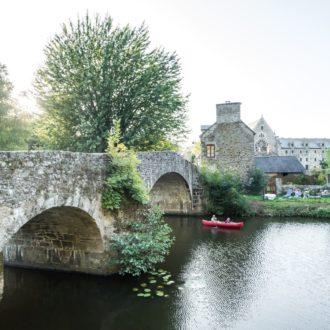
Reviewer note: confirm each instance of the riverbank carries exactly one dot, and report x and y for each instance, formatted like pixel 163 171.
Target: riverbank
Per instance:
pixel 282 207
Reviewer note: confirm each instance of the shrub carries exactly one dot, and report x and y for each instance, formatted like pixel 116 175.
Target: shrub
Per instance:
pixel 143 243
pixel 223 193
pixel 257 181
pixel 123 180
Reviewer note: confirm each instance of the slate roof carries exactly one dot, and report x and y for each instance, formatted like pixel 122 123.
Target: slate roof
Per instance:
pixel 279 164
pixel 313 143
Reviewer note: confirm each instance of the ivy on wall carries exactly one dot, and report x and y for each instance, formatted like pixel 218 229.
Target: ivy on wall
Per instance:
pixel 123 182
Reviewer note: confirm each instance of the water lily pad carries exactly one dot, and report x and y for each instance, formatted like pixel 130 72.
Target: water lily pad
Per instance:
pixel 146 295
pixel 170 282
pixel 152 281
pixel 143 285
pixel 160 286
pixel 135 289
pixel 166 296
pixel 140 294
pixel 180 288
pixel 160 293
pixel 151 277
pixel 147 290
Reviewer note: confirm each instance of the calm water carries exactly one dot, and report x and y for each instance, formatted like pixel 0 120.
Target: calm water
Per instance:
pixel 273 274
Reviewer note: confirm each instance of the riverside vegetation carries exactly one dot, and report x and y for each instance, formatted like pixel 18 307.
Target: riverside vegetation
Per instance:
pixel 141 244
pixel 227 196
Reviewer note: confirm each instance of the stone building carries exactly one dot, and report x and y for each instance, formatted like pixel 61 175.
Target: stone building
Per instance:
pixel 265 139
pixel 309 151
pixel 229 143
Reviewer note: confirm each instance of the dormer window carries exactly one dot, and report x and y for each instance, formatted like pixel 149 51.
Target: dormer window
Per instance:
pixel 262 127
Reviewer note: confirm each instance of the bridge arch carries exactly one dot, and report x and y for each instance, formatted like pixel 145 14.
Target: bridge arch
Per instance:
pixel 171 193
pixel 62 238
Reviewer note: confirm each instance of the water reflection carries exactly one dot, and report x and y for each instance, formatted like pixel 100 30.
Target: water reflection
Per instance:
pixel 271 275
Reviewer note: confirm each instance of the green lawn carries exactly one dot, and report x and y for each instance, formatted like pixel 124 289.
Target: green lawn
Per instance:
pixel 290 207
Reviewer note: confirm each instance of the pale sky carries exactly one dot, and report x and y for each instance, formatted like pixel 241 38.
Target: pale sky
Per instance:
pixel 271 55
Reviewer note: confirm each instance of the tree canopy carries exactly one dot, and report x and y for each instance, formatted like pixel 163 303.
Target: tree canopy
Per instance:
pixel 95 73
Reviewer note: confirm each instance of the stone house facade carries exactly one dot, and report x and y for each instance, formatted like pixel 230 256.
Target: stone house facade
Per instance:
pixel 228 144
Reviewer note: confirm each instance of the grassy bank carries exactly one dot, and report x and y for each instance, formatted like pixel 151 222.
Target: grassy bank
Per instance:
pixel 293 207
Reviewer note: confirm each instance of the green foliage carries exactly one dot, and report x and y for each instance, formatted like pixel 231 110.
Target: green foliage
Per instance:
pixel 303 179
pixel 257 182
pixel 14 124
pixel 223 192
pixel 123 182
pixel 143 244
pixel 96 73
pixel 324 164
pixel 321 178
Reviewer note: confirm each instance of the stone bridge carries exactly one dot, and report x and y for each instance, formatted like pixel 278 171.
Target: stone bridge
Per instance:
pixel 50 206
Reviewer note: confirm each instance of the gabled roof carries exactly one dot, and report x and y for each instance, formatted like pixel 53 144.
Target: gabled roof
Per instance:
pixel 279 164
pixel 206 128
pixel 261 121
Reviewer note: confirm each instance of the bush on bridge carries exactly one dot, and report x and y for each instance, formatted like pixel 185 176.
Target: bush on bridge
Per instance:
pixel 123 182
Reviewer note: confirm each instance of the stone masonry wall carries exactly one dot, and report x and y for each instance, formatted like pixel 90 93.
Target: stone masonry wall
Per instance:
pixel 234 148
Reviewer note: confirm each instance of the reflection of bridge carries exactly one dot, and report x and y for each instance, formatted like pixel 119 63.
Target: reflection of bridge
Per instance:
pixel 50 210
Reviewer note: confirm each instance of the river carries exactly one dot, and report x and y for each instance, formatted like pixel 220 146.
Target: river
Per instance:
pixel 273 274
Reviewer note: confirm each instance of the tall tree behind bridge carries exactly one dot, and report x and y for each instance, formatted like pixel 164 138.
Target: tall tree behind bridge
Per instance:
pixel 96 73
pixel 14 123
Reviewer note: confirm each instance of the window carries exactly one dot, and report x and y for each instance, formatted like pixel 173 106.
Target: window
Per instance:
pixel 210 150
pixel 306 166
pixel 306 159
pixel 292 151
pixel 314 159
pixel 301 159
pixel 300 151
pixel 262 127
pixel 286 152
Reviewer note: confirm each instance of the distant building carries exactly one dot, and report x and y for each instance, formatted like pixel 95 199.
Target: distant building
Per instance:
pixel 265 139
pixel 309 151
pixel 229 143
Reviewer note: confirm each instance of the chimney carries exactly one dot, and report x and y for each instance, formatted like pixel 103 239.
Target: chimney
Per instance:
pixel 228 112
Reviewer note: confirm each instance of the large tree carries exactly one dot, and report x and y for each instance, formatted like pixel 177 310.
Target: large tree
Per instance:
pixel 14 124
pixel 96 73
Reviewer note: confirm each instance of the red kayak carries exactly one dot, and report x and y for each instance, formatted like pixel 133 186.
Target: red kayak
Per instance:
pixel 223 224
